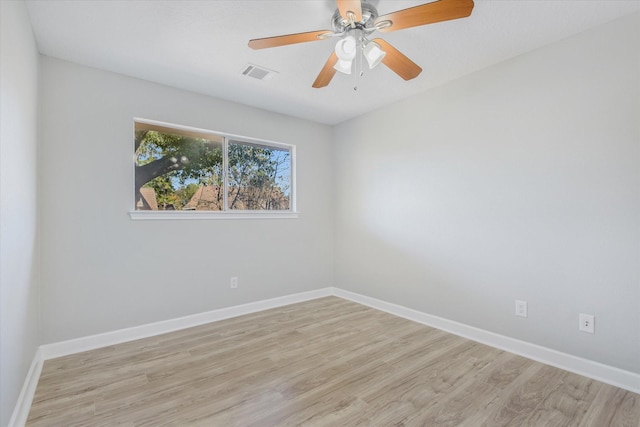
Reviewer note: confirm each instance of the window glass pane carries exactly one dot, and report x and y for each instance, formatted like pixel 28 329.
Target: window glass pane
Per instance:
pixel 259 177
pixel 177 170
pixel 187 169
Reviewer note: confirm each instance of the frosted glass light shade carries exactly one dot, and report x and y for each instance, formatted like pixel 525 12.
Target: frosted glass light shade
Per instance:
pixel 346 51
pixel 343 66
pixel 373 54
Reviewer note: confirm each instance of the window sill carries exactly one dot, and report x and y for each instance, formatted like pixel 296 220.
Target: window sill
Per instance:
pixel 190 215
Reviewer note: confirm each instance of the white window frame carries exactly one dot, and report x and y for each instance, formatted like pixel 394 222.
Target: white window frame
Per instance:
pixel 224 214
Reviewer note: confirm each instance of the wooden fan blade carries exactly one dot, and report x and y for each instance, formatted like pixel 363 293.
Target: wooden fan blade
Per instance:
pixel 327 72
pixel 437 11
pixel 354 6
pixel 266 42
pixel 398 62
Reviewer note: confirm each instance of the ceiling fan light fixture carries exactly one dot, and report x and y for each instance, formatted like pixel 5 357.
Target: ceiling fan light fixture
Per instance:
pixel 343 66
pixel 373 54
pixel 346 51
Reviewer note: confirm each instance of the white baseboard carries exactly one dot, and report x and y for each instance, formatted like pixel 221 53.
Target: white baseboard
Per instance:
pixel 588 368
pixel 21 410
pixel 598 371
pixel 64 348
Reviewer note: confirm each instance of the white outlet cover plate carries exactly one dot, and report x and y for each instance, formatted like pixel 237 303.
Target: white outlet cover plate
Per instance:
pixel 521 308
pixel 587 323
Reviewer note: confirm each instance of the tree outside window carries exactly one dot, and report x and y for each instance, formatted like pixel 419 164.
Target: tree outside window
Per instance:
pixel 178 169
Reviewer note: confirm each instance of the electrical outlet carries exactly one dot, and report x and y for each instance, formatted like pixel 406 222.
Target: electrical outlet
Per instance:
pixel 521 308
pixel 587 323
pixel 234 282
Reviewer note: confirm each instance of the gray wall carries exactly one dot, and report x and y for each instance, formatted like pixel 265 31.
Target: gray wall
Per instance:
pixel 19 293
pixel 517 182
pixel 101 271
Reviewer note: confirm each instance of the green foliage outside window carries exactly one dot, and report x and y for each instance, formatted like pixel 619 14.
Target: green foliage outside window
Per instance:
pixel 185 171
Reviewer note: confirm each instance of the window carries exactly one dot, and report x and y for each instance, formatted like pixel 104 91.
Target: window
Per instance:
pixel 186 170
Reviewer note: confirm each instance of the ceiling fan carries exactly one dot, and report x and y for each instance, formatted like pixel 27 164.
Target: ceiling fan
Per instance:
pixel 354 21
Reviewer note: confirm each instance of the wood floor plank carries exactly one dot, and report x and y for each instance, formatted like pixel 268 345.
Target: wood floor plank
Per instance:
pixel 325 362
pixel 566 404
pixel 615 407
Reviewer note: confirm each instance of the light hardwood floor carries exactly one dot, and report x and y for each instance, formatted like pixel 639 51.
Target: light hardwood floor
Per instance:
pixel 326 362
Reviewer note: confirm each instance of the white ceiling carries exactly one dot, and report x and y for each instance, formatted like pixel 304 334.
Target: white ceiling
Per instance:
pixel 201 46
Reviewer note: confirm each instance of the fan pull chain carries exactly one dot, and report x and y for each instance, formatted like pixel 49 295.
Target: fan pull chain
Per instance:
pixel 358 62
pixel 355 77
pixel 355 65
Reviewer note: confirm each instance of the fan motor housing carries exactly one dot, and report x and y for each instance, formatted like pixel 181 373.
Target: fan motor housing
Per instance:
pixel 369 15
